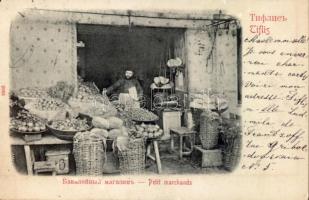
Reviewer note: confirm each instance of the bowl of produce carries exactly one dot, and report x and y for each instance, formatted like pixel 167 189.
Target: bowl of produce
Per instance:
pixel 27 127
pixel 142 115
pixel 27 123
pixel 66 129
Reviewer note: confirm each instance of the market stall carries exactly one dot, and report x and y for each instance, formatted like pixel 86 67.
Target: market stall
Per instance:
pixel 123 92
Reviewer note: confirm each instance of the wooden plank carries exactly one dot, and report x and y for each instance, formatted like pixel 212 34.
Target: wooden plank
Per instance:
pixel 159 19
pixel 46 140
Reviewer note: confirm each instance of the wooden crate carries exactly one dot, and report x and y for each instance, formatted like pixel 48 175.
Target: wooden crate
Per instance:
pixel 60 158
pixel 207 158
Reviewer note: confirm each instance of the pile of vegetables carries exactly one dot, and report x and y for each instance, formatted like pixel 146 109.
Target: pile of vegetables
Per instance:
pixel 141 114
pixel 70 125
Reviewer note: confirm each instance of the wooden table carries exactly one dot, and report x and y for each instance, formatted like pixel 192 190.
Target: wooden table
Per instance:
pixel 47 139
pixel 182 132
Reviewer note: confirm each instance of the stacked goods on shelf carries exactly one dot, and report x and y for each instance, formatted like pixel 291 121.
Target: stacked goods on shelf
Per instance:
pixel 26 122
pixel 89 150
pixel 231 136
pixel 112 125
pixel 209 129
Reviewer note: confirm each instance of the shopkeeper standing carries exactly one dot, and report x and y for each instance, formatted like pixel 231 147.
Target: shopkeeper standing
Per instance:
pixel 129 89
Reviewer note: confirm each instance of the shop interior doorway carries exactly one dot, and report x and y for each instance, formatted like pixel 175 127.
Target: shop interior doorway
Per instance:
pixel 109 50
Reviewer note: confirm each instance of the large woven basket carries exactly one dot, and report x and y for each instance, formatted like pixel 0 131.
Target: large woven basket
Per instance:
pixel 231 152
pixel 209 130
pixel 89 154
pixel 232 139
pixel 132 159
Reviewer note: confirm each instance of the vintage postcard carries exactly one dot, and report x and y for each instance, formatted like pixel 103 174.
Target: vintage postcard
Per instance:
pixel 154 99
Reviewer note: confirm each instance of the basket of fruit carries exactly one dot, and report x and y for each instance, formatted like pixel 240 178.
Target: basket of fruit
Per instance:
pixel 66 129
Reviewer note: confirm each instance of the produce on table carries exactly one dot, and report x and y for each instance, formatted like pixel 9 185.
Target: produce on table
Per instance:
pixel 61 90
pixel 48 104
pixel 70 125
pixel 34 92
pixel 148 130
pixel 26 122
pixel 141 114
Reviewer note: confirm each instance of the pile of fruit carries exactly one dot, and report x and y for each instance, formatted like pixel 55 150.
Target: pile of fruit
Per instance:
pixel 32 92
pixel 86 91
pixel 70 125
pixel 148 130
pixel 48 104
pixel 26 122
pixel 61 90
pixel 141 114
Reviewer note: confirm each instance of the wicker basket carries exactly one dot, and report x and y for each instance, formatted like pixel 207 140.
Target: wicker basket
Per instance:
pixel 209 133
pixel 89 154
pixel 231 150
pixel 132 159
